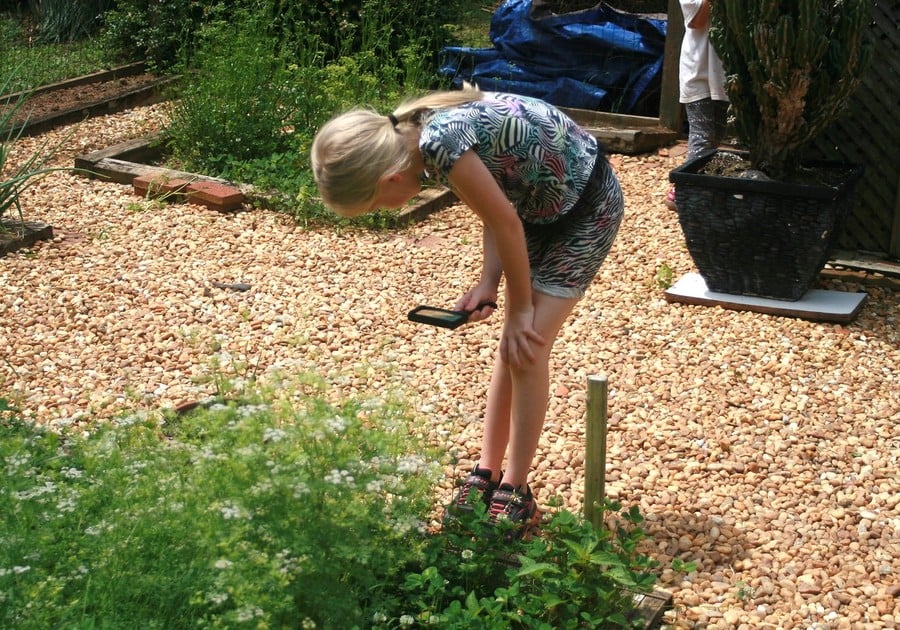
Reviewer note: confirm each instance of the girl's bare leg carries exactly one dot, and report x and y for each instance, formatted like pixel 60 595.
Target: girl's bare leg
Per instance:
pixel 517 399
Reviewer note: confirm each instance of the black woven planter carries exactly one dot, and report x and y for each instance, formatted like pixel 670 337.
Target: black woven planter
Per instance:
pixel 760 238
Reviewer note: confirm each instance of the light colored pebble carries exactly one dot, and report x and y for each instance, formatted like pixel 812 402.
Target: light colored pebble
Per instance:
pixel 764 449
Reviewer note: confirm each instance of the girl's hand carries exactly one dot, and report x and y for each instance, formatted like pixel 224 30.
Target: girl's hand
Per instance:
pixel 471 300
pixel 518 336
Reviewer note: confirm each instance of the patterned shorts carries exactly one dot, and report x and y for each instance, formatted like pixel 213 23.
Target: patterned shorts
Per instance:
pixel 565 255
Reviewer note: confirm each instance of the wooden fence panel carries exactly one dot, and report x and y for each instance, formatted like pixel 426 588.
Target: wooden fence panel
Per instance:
pixel 869 134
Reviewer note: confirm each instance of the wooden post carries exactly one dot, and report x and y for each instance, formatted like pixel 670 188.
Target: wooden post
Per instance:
pixel 670 111
pixel 595 450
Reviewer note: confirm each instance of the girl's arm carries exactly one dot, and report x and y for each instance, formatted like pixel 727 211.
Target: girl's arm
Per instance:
pixel 478 189
pixel 491 267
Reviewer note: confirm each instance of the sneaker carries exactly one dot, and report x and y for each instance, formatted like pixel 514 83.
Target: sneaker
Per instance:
pixel 670 198
pixel 514 505
pixel 476 487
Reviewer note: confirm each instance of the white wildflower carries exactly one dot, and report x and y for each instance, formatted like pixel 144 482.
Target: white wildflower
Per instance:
pixel 223 563
pixel 300 488
pixel 273 435
pixel 71 473
pixel 336 424
pixel 308 624
pixel 339 477
pixel 66 505
pixel 467 554
pixel 379 617
pixel 407 620
pixel 247 613
pixel 232 511
pixel 410 464
pixel 408 524
pixel 217 598
pixel 247 411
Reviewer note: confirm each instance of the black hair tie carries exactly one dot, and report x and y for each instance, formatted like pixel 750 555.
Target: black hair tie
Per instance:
pixel 393 120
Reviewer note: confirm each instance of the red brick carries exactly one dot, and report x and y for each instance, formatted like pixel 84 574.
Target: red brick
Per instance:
pixel 215 195
pixel 173 189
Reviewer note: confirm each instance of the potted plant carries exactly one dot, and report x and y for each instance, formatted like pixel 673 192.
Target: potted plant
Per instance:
pixel 762 221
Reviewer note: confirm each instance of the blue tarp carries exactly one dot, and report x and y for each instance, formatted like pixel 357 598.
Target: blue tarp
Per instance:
pixel 599 58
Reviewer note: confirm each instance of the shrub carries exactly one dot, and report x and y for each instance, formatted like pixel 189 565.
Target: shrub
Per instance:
pixel 258 512
pixel 234 102
pixel 161 33
pixel 269 506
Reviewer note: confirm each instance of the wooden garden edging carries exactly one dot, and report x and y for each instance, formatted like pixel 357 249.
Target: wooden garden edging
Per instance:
pixel 144 95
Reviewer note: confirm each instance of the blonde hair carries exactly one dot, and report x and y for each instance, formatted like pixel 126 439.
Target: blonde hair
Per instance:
pixel 354 150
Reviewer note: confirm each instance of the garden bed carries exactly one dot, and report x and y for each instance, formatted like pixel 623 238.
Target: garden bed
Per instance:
pixel 96 94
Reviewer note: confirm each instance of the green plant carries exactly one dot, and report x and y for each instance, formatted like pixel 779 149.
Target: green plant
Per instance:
pixel 30 63
pixel 68 20
pixel 233 102
pixel 270 511
pixel 664 276
pixel 161 33
pixel 573 575
pixel 15 179
pixel 269 506
pixel 790 70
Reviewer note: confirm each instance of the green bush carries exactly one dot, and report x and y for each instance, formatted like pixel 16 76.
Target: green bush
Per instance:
pixel 234 102
pixel 68 20
pixel 252 513
pixel 268 506
pixel 166 33
pixel 160 33
pixel 573 575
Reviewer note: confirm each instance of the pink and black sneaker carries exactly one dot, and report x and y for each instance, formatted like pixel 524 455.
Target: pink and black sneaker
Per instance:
pixel 477 486
pixel 515 505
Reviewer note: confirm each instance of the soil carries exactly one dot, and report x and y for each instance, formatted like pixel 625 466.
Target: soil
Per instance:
pixel 732 165
pixel 48 103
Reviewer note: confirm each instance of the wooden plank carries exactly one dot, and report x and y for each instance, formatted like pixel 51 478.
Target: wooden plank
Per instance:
pixel 867 261
pixel 633 141
pixel 136 150
pixel 592 118
pixel 144 95
pixel 16 235
pixel 124 172
pixel 894 249
pixel 425 203
pixel 651 607
pixel 816 305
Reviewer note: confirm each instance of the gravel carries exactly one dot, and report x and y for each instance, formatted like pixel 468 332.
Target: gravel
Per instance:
pixel 764 449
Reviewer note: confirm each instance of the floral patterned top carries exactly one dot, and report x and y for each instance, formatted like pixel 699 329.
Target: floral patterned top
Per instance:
pixel 540 158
